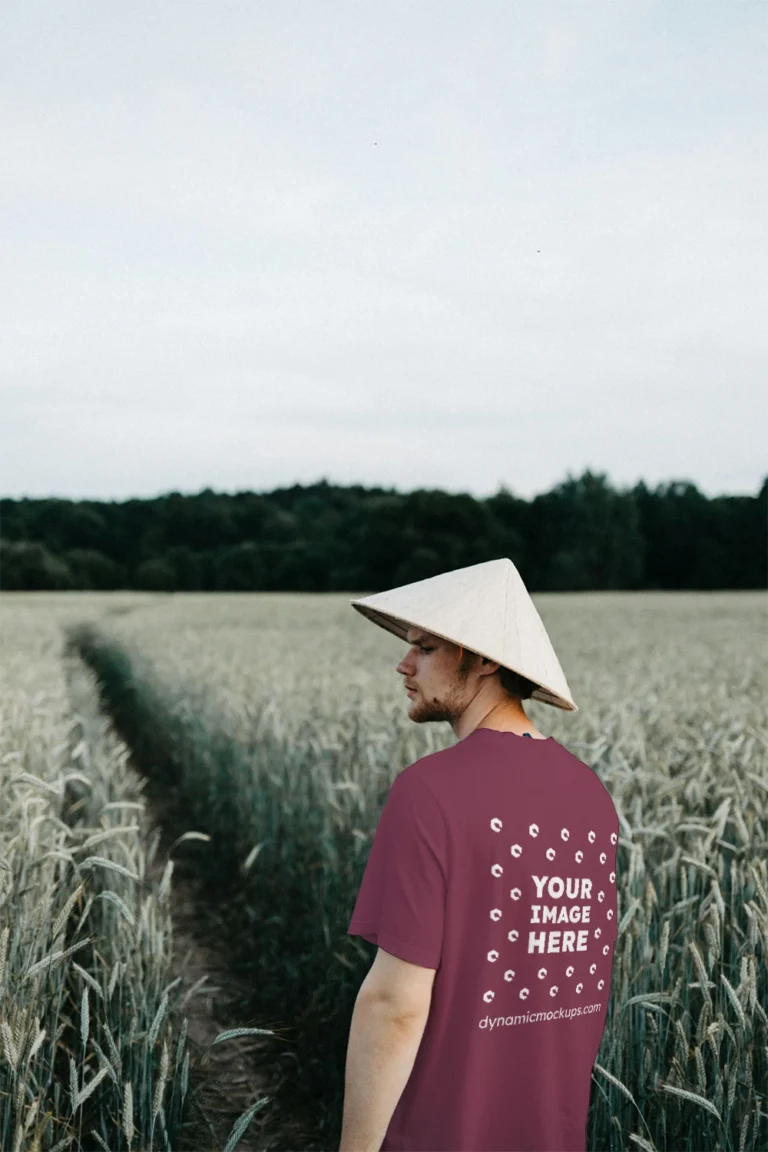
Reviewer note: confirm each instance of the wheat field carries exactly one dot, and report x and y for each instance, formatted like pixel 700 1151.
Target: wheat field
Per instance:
pixel 271 727
pixel 89 1055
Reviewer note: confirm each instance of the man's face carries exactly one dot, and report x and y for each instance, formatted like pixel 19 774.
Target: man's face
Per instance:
pixel 432 667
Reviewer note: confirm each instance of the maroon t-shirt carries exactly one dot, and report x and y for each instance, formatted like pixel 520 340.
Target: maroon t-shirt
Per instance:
pixel 494 862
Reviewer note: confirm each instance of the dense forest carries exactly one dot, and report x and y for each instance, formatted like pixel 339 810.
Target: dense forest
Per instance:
pixel 582 535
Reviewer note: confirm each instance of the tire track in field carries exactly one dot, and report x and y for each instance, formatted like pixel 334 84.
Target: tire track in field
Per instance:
pixel 224 1078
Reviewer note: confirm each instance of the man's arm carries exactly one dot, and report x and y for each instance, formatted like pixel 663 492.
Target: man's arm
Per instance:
pixel 381 1052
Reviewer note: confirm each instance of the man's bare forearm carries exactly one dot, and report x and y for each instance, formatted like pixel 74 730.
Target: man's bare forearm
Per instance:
pixel 381 1052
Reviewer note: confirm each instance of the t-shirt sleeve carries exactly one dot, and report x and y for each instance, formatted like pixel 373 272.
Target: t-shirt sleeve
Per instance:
pixel 401 902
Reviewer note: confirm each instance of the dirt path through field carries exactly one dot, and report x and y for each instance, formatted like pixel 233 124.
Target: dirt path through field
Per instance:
pixel 223 1076
pixel 228 1078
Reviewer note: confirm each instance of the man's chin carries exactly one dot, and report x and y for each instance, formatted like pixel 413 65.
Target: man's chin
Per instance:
pixel 422 716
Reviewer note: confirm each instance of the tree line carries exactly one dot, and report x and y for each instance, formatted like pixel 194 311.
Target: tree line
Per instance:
pixel 583 535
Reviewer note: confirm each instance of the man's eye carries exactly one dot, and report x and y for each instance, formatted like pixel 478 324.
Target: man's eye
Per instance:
pixel 424 648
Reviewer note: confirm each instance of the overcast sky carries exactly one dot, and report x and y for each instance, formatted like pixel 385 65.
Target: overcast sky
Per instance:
pixel 423 244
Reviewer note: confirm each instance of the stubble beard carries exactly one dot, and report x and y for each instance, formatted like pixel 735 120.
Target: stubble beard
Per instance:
pixel 435 709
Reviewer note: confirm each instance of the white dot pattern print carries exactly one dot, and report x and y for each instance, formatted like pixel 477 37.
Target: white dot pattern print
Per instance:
pixel 559 913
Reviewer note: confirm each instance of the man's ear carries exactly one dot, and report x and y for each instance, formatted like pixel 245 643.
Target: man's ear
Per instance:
pixel 488 667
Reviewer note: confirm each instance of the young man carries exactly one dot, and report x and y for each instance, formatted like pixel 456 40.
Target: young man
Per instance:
pixel 489 890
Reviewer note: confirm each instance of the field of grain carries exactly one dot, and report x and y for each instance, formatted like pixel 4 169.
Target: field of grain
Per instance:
pixel 273 726
pixel 93 1042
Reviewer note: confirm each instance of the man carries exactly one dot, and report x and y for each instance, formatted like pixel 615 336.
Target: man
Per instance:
pixel 489 890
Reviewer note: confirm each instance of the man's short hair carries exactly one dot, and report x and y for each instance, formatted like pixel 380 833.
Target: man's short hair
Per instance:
pixel 520 687
pixel 517 687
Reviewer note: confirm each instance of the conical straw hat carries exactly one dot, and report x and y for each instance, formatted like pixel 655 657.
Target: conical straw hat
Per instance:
pixel 486 608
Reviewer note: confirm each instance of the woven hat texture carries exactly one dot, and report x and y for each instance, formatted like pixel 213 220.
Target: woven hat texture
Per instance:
pixel 486 608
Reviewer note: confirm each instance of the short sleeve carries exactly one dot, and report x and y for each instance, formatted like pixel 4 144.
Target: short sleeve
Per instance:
pixel 401 902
